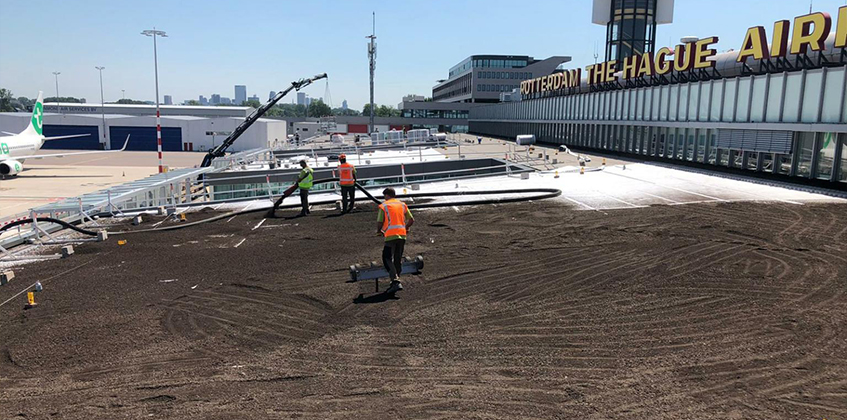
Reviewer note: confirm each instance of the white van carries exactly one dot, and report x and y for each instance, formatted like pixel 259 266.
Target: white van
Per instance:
pixel 525 139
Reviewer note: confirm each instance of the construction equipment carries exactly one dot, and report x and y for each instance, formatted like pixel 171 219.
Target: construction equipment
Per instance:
pixel 375 271
pixel 220 150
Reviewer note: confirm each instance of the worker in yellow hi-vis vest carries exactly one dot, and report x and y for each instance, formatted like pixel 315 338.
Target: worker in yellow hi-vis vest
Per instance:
pixel 304 183
pixel 393 222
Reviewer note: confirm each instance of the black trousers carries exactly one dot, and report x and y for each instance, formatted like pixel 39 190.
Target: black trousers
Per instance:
pixel 304 200
pixel 348 198
pixel 392 257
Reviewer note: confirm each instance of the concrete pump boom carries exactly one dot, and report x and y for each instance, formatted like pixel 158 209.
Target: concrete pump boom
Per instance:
pixel 220 150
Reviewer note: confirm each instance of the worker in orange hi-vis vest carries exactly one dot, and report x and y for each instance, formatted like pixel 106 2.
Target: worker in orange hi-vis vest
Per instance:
pixel 347 181
pixel 393 222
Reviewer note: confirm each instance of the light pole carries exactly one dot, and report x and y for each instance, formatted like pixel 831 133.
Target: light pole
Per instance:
pixel 123 94
pixel 372 59
pixel 57 73
pixel 154 33
pixel 102 104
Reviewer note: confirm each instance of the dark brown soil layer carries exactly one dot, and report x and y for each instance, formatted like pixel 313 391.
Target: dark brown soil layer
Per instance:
pixel 533 310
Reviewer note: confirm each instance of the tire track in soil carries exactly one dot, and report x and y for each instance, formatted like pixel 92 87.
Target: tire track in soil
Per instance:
pixel 652 323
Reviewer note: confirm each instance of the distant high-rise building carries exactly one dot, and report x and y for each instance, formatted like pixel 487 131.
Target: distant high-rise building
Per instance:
pixel 301 98
pixel 216 99
pixel 271 95
pixel 169 100
pixel 240 94
pixel 344 104
pixel 203 100
pixel 254 98
pixel 308 101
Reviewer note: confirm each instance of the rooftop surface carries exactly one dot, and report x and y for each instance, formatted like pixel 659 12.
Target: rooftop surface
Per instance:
pixel 528 310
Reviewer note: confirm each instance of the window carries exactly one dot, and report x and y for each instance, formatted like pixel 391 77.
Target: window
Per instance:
pixel 743 100
pixel 791 107
pixel 826 155
pixel 783 165
pixel 811 95
pixel 713 146
pixel 842 173
pixel 729 100
pixel 774 97
pixel 752 161
pixel 757 105
pixel 832 96
pixel 705 94
pixel 717 98
pixel 805 148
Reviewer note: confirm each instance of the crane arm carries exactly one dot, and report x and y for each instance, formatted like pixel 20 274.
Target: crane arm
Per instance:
pixel 220 150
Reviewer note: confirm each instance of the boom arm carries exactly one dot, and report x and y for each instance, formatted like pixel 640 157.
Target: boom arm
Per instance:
pixel 220 150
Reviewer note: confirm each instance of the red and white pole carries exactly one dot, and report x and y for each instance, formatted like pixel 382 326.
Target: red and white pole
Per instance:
pixel 159 138
pixel 158 115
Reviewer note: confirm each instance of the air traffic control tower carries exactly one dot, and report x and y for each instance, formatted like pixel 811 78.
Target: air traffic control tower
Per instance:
pixel 631 24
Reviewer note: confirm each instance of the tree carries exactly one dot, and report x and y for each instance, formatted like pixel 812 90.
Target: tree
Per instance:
pixel 254 103
pixel 26 102
pixel 65 99
pixel 381 111
pixel 319 109
pixel 129 102
pixel 345 112
pixel 6 101
pixel 387 111
pixel 193 102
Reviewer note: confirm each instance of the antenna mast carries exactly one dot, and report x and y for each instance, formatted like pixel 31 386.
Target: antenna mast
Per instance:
pixel 372 58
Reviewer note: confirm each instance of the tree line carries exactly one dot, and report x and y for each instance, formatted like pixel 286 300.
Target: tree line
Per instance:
pixel 316 109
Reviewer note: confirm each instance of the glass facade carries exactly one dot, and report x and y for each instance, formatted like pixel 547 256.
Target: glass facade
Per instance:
pixel 631 29
pixel 434 113
pixel 791 124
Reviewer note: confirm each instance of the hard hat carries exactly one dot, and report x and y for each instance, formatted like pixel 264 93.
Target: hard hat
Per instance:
pixel 342 156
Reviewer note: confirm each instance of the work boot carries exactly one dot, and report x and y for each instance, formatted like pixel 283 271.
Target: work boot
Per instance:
pixel 394 287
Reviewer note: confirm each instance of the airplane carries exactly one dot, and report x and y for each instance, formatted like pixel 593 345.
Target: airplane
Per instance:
pixel 16 148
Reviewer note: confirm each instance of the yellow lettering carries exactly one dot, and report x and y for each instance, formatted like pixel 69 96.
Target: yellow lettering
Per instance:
pixel 557 81
pixel 645 67
pixel 755 45
pixel 663 65
pixel 702 53
pixel 589 70
pixel 630 66
pixel 841 28
pixel 810 31
pixel 610 70
pixel 683 57
pixel 779 46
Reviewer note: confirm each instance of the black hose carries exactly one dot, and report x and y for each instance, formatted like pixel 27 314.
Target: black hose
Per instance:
pixel 50 220
pixel 543 194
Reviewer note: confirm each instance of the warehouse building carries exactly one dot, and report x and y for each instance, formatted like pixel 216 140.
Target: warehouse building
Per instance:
pixel 142 109
pixel 776 109
pixel 179 132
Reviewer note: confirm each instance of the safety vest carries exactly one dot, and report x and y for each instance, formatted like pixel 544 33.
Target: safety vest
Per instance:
pixel 306 183
pixel 394 222
pixel 345 175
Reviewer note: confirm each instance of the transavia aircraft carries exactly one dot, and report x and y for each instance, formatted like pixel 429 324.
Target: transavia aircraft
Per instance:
pixel 16 148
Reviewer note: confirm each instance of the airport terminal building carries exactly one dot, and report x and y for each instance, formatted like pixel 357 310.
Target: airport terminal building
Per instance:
pixel 776 106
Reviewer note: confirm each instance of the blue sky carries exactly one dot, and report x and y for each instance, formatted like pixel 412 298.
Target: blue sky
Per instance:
pixel 214 45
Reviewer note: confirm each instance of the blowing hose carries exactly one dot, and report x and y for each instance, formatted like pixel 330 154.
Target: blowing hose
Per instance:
pixel 541 194
pixel 50 220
